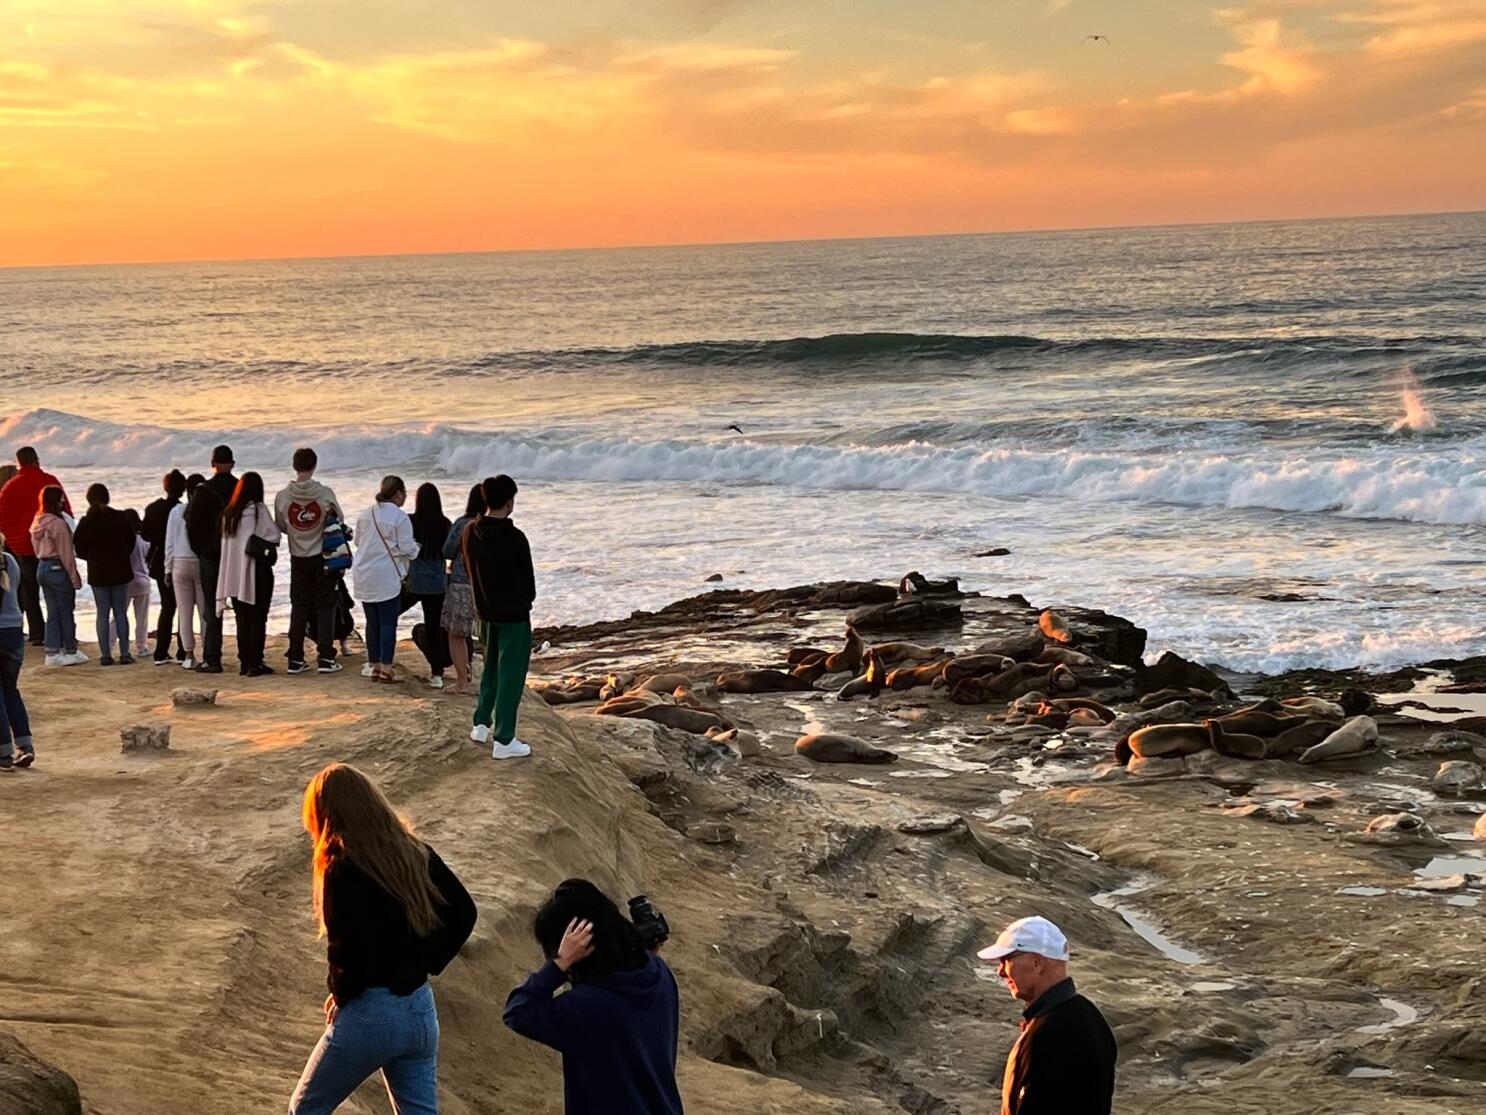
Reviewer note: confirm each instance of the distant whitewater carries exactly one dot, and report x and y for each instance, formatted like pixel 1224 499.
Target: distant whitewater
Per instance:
pixel 1265 442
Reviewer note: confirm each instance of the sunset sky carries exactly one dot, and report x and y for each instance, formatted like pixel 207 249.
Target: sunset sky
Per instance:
pixel 202 129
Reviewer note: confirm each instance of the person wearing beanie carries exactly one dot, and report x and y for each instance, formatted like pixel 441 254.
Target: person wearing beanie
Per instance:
pixel 1063 1061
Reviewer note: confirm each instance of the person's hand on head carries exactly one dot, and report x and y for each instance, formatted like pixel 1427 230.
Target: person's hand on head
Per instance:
pixel 576 944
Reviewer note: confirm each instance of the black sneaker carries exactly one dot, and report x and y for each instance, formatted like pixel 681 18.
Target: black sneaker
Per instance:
pixel 105 661
pixel 126 660
pixel 209 668
pixel 259 671
pixel 7 764
pixel 329 667
pixel 161 660
pixel 297 668
pixel 25 759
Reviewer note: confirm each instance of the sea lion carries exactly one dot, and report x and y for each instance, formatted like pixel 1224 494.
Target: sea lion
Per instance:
pixel 663 683
pixel 1398 828
pixel 675 716
pixel 1172 712
pixel 761 681
pixel 1169 739
pixel 627 703
pixel 800 656
pixel 1021 678
pixel 1019 648
pixel 1054 627
pixel 1064 679
pixel 1087 704
pixel 893 653
pixel 685 697
pixel 1479 829
pixel 1049 717
pixel 849 657
pixel 964 666
pixel 1235 744
pixel 1176 693
pixel 1255 722
pixel 1299 737
pixel 911 677
pixel 810 672
pixel 745 743
pixel 841 749
pixel 1084 718
pixel 1315 707
pixel 1456 776
pixel 917 584
pixel 1062 656
pixel 1355 702
pixel 571 691
pixel 1357 736
pixel 615 684
pixel 869 684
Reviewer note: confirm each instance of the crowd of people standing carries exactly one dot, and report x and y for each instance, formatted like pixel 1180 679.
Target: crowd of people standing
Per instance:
pixel 210 544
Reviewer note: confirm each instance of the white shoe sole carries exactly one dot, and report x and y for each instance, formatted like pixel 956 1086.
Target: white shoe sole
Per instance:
pixel 513 750
pixel 480 734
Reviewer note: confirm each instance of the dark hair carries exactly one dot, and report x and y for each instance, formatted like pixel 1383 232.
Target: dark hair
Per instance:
pixel 194 481
pixel 51 500
pixel 616 945
pixel 25 455
pixel 498 491
pixel 474 507
pixel 249 490
pixel 222 455
pixel 133 517
pixel 175 483
pixel 391 485
pixel 97 496
pixel 305 460
pixel 430 528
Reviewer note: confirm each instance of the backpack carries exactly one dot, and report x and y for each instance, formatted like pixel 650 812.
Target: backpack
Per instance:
pixel 334 547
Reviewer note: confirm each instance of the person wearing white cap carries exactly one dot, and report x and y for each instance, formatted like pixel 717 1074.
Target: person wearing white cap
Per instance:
pixel 1064 1059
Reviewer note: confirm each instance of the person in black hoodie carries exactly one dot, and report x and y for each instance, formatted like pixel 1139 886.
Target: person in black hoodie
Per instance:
pixel 498 560
pixel 204 529
pixel 393 914
pixel 156 517
pixel 105 540
pixel 617 1028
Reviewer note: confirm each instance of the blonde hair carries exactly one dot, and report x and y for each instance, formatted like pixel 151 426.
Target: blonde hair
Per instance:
pixel 347 815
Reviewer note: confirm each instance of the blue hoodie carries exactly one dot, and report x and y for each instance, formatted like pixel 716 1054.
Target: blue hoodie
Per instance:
pixel 617 1037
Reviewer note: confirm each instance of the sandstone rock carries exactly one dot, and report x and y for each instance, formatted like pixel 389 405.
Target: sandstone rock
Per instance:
pixel 185 696
pixel 912 612
pixel 1355 702
pixel 1448 742
pixel 145 737
pixel 1456 776
pixel 712 832
pixel 1274 811
pixel 30 1086
pixel 931 824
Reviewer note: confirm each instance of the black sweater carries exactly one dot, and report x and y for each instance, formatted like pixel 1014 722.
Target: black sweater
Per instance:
pixel 498 559
pixel 105 540
pixel 204 522
pixel 369 941
pixel 156 518
pixel 1064 1061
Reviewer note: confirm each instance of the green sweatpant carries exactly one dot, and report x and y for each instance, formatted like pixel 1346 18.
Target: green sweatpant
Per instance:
pixel 507 655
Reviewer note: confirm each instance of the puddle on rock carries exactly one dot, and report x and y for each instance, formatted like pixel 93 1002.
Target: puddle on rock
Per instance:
pixel 1403 1015
pixel 1213 985
pixel 1368 1072
pixel 1441 866
pixel 1144 927
pixel 1364 892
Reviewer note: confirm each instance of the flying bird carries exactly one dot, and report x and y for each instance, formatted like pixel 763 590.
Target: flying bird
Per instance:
pixel 1098 39
pixel 737 428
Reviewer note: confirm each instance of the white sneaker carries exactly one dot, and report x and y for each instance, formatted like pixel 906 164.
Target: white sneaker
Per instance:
pixel 54 660
pixel 368 671
pixel 188 663
pixel 76 658
pixel 513 750
pixel 436 681
pixel 480 733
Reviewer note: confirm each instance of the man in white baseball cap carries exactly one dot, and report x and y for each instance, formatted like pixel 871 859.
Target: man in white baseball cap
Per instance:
pixel 1064 1059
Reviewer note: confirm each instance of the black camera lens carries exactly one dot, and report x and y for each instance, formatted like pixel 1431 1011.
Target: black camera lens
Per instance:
pixel 649 922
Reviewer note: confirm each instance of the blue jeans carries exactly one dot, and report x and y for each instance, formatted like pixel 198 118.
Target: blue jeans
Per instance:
pixel 61 607
pixel 112 599
pixel 13 719
pixel 398 1034
pixel 381 630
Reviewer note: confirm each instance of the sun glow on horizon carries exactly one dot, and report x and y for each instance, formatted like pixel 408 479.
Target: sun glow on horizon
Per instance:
pixel 197 129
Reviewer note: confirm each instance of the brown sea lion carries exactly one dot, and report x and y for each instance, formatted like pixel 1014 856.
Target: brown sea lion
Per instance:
pixel 1252 721
pixel 1169 739
pixel 1357 736
pixel 675 716
pixel 1054 627
pixel 1021 678
pixel 615 684
pixel 850 656
pixel 1298 738
pixel 1317 707
pixel 663 683
pixel 911 677
pixel 1050 718
pixel 1235 745
pixel 1063 656
pixel 964 666
pixel 761 681
pixel 745 743
pixel 1084 718
pixel 1063 679
pixel 685 697
pixel 627 703
pixel 893 653
pixel 841 749
pixel 1088 704
pixel 810 672
pixel 799 656
pixel 1175 693
pixel 871 682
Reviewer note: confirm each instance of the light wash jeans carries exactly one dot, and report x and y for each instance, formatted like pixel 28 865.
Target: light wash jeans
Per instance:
pixel 61 607
pixel 398 1034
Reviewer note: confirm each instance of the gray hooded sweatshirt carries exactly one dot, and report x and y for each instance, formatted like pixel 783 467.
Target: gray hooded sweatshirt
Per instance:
pixel 300 511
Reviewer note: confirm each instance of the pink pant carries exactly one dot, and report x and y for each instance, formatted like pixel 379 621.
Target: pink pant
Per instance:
pixel 185 575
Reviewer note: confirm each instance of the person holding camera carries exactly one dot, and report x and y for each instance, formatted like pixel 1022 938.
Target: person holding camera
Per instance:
pixel 618 1027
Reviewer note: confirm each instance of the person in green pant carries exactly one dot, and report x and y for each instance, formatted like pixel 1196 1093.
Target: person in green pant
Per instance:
pixel 498 559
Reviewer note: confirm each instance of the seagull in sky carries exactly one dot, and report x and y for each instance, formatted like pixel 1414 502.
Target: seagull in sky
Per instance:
pixel 739 429
pixel 1098 39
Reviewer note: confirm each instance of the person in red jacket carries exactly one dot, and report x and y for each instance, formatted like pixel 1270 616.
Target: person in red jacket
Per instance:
pixel 18 503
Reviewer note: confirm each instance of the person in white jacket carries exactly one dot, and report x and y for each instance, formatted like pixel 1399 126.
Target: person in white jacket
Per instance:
pixel 385 549
pixel 245 581
pixel 183 568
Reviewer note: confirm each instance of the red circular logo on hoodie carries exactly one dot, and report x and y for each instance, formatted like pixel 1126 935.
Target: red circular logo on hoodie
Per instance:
pixel 305 516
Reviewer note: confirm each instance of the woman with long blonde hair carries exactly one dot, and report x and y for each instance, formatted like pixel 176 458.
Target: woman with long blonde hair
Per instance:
pixel 392 914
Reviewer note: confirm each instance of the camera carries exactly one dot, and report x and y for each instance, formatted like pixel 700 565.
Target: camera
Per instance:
pixel 649 922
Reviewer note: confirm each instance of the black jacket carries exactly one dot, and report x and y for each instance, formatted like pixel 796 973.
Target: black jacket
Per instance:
pixel 204 522
pixel 498 559
pixel 1064 1061
pixel 105 540
pixel 152 530
pixel 368 940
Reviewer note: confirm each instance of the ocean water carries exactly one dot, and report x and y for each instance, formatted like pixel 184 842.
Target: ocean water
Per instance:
pixel 1170 423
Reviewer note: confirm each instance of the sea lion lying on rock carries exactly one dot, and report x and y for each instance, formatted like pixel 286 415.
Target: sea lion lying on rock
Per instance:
pixel 1257 722
pixel 911 677
pixel 810 672
pixel 1021 678
pixel 974 666
pixel 1054 628
pixel 1104 713
pixel 677 716
pixel 1085 718
pixel 615 684
pixel 1315 707
pixel 801 656
pixel 919 585
pixel 1398 828
pixel 1062 656
pixel 849 657
pixel 687 699
pixel 1063 679
pixel 761 681
pixel 890 654
pixel 1160 740
pixel 1357 736
pixel 1300 737
pixel 841 749
pixel 1177 693
pixel 1234 744
pixel 745 743
pixel 663 683
pixel 1019 648
pixel 1456 776
pixel 570 690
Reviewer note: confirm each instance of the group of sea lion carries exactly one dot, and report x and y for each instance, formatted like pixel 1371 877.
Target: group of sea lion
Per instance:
pixel 1318 730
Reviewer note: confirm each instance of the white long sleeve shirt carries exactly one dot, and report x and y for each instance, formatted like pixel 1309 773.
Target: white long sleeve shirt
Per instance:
pixel 177 545
pixel 385 550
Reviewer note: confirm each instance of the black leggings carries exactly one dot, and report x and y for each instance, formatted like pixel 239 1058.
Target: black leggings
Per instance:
pixel 252 619
pixel 434 645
